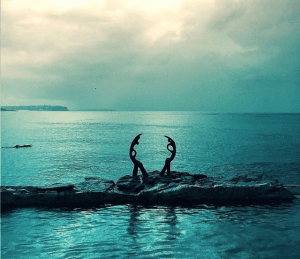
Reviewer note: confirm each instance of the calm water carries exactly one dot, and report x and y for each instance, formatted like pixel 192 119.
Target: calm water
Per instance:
pixel 68 146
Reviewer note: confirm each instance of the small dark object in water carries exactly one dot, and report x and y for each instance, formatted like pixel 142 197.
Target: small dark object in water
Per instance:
pixel 137 164
pixel 167 166
pixel 18 146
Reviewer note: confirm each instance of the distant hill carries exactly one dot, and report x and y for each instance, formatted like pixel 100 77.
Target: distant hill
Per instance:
pixel 34 108
pixel 2 109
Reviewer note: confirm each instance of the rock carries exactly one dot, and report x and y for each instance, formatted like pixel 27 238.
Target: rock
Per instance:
pixel 246 178
pixel 19 146
pixel 130 183
pixel 94 184
pixel 57 187
pixel 174 177
pixel 177 188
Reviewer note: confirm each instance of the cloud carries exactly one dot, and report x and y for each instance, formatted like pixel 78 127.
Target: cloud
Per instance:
pixel 153 55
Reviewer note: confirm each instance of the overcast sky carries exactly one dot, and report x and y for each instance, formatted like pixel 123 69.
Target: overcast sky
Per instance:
pixel 205 55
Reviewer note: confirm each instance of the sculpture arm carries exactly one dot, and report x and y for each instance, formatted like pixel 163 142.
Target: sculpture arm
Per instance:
pixel 173 151
pixel 131 150
pixel 132 156
pixel 173 145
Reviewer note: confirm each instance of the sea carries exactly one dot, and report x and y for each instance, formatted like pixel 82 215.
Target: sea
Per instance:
pixel 68 146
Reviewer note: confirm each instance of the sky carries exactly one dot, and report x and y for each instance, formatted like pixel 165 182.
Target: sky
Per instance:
pixel 165 55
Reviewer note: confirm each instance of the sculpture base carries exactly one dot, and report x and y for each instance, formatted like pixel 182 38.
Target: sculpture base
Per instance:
pixel 179 188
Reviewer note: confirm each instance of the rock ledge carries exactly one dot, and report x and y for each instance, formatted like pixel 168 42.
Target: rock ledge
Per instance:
pixel 178 188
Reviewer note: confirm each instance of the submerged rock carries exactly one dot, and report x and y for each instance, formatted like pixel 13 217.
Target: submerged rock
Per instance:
pixel 176 188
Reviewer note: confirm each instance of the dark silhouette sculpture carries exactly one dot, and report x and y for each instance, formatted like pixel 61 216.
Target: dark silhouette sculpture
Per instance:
pixel 137 164
pixel 167 166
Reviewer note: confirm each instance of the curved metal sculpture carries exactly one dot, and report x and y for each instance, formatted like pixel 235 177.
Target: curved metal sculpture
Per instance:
pixel 167 166
pixel 137 163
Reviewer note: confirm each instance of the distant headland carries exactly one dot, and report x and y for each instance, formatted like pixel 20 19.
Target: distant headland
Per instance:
pixel 34 108
pixel 46 108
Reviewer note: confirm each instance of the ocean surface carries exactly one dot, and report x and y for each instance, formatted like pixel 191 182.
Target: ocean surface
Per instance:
pixel 69 146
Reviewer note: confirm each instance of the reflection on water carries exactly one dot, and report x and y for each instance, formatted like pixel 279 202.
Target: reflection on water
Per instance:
pixel 135 231
pixel 153 231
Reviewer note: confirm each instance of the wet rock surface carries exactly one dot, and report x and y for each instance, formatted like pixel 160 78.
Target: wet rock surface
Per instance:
pixel 176 188
pixel 138 183
pixel 130 183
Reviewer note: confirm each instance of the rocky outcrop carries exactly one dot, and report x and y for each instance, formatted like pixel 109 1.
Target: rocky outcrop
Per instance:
pixel 176 188
pixel 154 179
pixel 19 146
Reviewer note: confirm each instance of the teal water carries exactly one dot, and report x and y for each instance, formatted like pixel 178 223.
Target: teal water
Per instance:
pixel 68 146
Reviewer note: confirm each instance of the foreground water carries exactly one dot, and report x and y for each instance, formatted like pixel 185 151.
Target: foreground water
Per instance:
pixel 68 146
